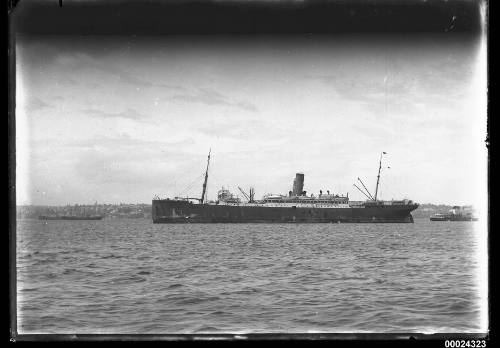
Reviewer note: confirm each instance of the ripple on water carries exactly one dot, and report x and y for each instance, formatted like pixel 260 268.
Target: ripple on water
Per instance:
pixel 133 276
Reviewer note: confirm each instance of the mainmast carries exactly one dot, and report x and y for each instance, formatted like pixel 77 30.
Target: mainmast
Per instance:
pixel 252 194
pixel 378 176
pixel 206 178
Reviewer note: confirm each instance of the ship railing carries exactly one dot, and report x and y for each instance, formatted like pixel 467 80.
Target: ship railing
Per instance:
pixel 309 200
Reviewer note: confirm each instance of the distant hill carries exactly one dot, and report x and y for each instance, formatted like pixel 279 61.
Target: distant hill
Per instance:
pixel 426 210
pixel 144 210
pixel 138 210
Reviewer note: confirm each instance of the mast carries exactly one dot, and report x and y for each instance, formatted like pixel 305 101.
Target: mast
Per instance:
pixel 206 178
pixel 378 176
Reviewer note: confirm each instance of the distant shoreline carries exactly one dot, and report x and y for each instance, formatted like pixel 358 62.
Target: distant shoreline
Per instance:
pixel 143 210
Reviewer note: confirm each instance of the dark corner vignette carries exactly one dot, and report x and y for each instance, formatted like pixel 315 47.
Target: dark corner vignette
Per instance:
pixel 10 42
pixel 163 17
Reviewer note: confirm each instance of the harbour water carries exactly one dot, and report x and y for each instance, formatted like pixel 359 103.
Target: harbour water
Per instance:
pixel 132 276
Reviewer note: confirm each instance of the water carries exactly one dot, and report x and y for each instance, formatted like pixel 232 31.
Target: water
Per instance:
pixel 132 276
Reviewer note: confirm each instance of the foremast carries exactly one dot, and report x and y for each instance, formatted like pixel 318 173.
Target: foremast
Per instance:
pixel 206 179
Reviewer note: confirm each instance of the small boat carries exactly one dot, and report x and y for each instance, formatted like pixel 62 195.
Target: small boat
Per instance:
pixel 70 217
pixel 456 214
pixel 439 217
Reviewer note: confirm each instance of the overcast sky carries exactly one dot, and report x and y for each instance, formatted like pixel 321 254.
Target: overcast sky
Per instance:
pixel 120 119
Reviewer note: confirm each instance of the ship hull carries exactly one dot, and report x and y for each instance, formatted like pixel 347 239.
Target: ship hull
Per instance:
pixel 172 211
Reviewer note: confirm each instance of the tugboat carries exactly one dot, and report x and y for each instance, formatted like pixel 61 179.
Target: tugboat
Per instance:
pixel 296 207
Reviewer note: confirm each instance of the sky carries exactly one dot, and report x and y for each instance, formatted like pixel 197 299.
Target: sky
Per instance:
pixel 121 119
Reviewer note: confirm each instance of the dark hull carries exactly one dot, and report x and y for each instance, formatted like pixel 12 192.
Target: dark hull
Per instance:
pixel 171 211
pixel 43 217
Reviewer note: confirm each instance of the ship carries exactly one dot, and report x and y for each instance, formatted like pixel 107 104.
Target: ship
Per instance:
pixel 72 215
pixel 296 207
pixel 457 213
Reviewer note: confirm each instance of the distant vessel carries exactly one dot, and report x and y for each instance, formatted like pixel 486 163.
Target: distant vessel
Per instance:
pixel 456 214
pixel 296 207
pixel 72 215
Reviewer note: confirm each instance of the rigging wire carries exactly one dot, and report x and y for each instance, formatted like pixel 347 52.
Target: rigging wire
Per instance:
pixel 190 185
pixel 183 175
